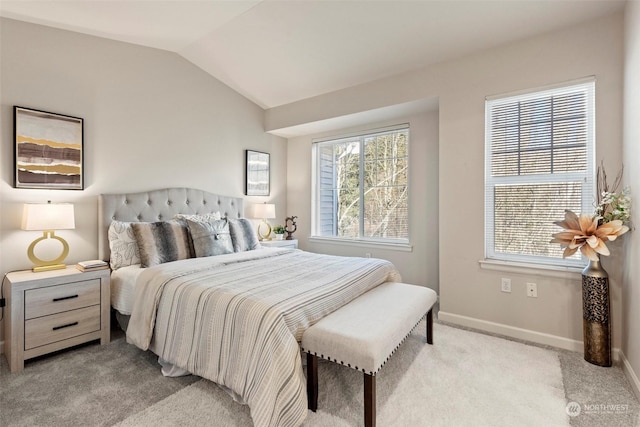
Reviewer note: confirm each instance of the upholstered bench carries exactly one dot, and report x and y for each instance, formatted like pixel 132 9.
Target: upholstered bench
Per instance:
pixel 365 333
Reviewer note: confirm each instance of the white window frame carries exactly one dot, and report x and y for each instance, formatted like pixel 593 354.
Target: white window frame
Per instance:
pixel 587 178
pixel 389 243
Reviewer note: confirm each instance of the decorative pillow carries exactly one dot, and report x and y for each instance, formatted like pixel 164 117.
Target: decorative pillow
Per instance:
pixel 208 216
pixel 243 235
pixel 210 237
pixel 160 242
pixel 123 245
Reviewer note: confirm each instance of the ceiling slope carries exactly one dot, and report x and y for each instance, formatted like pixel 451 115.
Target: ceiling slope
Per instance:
pixel 278 52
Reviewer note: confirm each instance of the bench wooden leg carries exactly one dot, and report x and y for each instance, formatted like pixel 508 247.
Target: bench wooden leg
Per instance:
pixel 369 400
pixel 430 327
pixel 312 382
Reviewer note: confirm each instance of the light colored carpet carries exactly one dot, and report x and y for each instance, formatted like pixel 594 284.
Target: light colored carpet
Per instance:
pixel 464 379
pixel 90 385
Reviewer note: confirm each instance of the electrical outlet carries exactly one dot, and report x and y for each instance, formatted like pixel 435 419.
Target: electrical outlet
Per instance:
pixel 368 254
pixel 505 285
pixel 532 290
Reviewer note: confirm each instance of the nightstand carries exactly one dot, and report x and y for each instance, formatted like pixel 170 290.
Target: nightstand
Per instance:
pixel 52 310
pixel 280 243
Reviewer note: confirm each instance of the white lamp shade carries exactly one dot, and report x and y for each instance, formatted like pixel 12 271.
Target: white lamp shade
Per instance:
pixel 264 211
pixel 48 216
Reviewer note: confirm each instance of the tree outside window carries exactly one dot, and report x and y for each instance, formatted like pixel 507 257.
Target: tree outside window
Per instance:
pixel 361 186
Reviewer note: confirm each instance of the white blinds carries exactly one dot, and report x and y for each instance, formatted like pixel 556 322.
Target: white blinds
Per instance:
pixel 539 162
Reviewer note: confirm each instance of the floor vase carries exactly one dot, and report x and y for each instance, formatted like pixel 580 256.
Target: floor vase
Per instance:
pixel 595 314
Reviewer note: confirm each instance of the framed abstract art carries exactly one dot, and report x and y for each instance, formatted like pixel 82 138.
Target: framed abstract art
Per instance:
pixel 48 150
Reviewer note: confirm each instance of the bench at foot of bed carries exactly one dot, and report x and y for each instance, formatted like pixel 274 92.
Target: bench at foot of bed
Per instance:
pixel 365 333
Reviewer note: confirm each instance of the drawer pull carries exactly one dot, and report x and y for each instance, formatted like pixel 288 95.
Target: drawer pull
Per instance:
pixel 55 328
pixel 64 298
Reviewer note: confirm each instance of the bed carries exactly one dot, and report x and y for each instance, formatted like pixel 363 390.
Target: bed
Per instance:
pixel 235 317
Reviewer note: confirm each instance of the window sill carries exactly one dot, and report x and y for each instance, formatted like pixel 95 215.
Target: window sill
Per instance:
pixel 394 246
pixel 573 273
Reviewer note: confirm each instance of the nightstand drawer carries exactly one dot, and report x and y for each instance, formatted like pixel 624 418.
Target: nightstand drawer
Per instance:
pixel 53 310
pixel 56 299
pixel 58 327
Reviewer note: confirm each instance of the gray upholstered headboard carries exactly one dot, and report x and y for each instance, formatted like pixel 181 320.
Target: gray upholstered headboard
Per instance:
pixel 159 205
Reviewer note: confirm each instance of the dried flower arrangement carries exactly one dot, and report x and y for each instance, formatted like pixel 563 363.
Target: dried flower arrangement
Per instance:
pixel 589 233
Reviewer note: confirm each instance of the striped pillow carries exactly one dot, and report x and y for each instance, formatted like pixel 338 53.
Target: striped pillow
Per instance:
pixel 210 237
pixel 243 235
pixel 160 242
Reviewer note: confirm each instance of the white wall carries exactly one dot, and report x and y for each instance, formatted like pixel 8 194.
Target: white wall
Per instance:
pixel 420 266
pixel 152 120
pixel 469 294
pixel 631 147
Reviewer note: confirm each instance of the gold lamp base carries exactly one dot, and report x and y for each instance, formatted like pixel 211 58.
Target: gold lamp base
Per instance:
pixel 44 265
pixel 264 236
pixel 49 267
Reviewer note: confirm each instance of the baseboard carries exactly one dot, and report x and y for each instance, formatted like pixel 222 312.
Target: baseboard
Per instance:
pixel 630 374
pixel 519 333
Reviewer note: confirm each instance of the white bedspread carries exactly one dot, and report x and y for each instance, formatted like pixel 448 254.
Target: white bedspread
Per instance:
pixel 123 284
pixel 237 319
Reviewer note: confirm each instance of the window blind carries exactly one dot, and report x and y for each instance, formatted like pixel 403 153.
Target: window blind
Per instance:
pixel 539 162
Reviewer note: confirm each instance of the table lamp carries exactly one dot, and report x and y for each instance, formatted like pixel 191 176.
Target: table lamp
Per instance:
pixel 264 212
pixel 48 217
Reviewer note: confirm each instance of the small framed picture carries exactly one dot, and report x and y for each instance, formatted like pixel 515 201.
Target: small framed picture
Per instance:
pixel 257 174
pixel 48 150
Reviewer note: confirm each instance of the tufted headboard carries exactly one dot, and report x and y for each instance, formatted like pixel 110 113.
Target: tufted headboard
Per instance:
pixel 159 205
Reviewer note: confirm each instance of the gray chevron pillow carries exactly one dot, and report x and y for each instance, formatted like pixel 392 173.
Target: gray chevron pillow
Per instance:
pixel 163 241
pixel 243 235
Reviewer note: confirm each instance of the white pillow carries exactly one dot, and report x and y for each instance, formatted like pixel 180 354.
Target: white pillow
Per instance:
pixel 123 245
pixel 213 216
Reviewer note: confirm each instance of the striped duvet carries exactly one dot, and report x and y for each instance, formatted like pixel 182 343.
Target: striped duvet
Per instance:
pixel 237 319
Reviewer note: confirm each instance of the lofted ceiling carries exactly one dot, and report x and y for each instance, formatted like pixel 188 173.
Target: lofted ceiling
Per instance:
pixel 276 52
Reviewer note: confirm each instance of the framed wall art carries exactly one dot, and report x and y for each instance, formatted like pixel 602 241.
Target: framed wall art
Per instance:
pixel 257 173
pixel 48 150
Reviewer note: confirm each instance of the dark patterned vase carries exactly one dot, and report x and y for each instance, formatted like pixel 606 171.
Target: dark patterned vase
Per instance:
pixel 595 314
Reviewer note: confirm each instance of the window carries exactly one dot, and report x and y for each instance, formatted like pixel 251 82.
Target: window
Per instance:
pixel 539 161
pixel 361 186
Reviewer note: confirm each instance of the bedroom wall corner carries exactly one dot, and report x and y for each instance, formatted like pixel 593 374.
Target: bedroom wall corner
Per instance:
pixel 631 153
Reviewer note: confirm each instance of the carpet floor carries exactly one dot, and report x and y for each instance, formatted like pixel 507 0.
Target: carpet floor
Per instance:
pixel 464 379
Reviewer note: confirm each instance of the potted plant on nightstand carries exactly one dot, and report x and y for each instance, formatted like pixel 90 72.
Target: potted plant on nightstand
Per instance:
pixel 279 231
